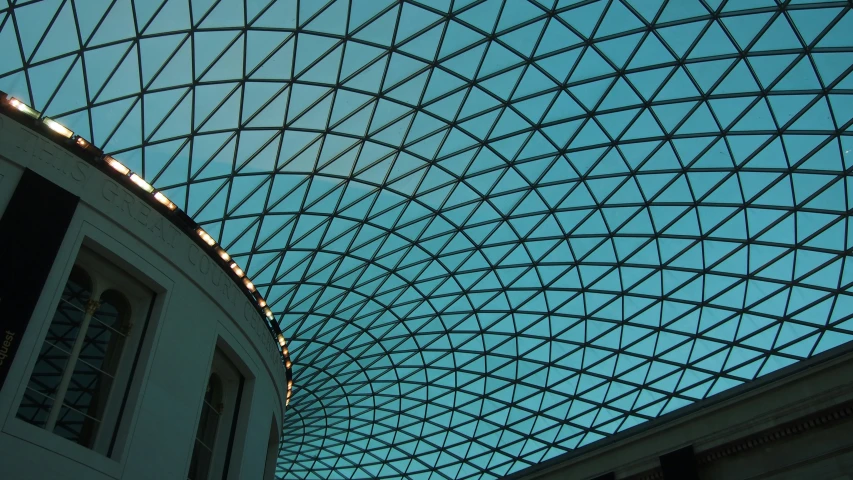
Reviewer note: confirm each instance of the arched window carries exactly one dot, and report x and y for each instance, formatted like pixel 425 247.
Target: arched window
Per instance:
pixel 84 357
pixel 208 425
pixel 220 409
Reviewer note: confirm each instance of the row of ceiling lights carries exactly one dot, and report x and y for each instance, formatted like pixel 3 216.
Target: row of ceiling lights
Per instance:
pixel 139 182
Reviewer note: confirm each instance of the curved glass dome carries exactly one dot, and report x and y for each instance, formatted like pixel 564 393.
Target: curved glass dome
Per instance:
pixel 495 231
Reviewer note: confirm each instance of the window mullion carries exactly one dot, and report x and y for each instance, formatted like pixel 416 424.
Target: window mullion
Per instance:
pixel 91 307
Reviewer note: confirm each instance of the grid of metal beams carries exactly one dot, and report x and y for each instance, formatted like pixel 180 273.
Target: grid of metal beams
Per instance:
pixel 496 230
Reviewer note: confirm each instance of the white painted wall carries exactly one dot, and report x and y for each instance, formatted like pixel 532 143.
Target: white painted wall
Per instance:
pixel 196 306
pixel 785 397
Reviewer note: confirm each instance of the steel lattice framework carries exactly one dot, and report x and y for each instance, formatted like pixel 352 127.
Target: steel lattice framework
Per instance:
pixel 495 231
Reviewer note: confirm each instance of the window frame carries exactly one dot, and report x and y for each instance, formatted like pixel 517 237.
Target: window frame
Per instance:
pixel 120 267
pixel 232 380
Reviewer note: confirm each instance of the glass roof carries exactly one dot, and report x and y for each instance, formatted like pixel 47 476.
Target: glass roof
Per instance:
pixel 495 231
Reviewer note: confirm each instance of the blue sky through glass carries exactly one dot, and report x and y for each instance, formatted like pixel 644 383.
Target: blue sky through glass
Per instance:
pixel 496 231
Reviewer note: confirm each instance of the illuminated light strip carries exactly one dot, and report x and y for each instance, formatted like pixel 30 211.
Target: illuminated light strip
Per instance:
pixel 165 201
pixel 57 127
pixel 87 146
pixel 122 169
pixel 236 269
pixel 21 106
pixel 141 183
pixel 205 237
pixel 116 165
